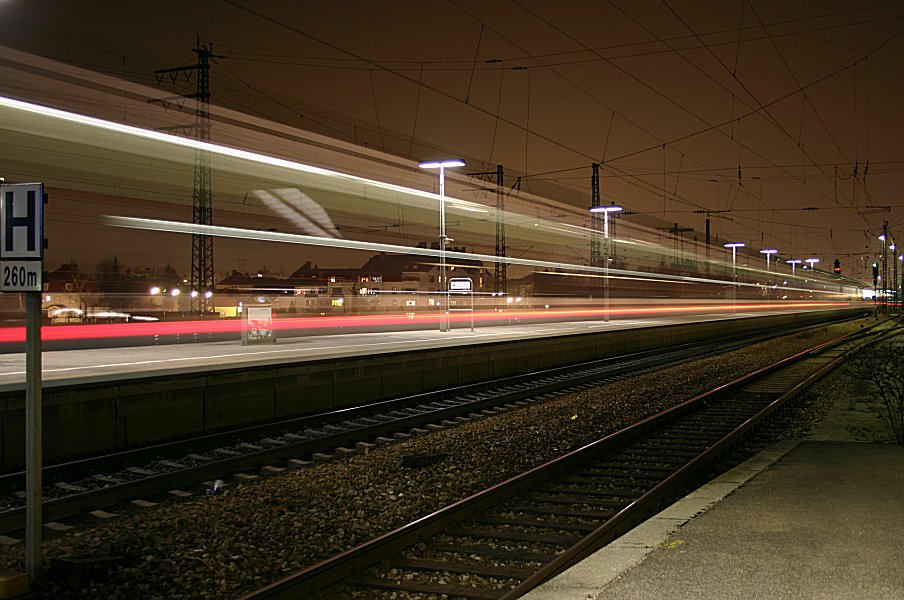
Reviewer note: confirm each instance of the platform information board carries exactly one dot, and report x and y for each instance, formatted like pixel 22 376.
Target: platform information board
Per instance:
pixel 21 237
pixel 257 326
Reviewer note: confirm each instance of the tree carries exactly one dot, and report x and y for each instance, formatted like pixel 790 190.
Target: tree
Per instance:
pixel 85 290
pixel 109 281
pixel 169 279
pixel 883 365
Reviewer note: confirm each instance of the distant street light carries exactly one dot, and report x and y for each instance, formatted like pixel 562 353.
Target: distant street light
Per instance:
pixel 734 255
pixel 811 262
pixel 606 210
pixel 884 270
pixel 793 262
pixel 899 289
pixel 768 252
pixel 734 269
pixel 442 165
pixel 894 279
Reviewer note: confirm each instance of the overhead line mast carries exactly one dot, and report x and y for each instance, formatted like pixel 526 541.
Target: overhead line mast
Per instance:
pixel 596 220
pixel 203 278
pixel 500 271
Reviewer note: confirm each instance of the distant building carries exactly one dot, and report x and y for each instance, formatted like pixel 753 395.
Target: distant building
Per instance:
pixel 384 282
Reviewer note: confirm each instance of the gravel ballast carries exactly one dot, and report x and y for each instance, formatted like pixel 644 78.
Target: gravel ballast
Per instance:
pixel 252 534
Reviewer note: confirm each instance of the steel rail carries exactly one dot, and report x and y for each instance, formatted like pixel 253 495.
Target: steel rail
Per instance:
pixel 483 397
pixel 310 581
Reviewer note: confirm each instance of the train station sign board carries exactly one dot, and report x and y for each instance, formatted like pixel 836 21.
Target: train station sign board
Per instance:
pixel 21 237
pixel 21 270
pixel 460 284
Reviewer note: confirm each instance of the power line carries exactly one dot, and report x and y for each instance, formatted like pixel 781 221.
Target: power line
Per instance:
pixel 468 65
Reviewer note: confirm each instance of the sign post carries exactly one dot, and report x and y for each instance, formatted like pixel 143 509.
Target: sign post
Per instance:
pixel 257 326
pixel 21 270
pixel 463 285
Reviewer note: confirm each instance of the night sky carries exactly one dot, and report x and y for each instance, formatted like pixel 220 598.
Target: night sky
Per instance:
pixel 782 119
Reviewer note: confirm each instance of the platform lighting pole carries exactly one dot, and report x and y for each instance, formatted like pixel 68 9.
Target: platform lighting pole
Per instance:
pixel 811 262
pixel 442 165
pixel 768 252
pixel 899 287
pixel 894 278
pixel 793 262
pixel 606 252
pixel 884 270
pixel 734 271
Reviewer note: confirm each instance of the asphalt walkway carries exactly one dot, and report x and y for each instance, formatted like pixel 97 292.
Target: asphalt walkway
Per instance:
pixel 802 520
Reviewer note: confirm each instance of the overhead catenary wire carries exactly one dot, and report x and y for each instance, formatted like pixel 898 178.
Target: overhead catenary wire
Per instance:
pixel 612 171
pixel 414 64
pixel 643 83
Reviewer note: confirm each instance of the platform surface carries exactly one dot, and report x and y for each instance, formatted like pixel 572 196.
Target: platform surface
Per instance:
pixel 802 520
pixel 68 367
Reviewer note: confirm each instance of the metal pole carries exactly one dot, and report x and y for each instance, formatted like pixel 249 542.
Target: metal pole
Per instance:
pixel 894 280
pixel 472 308
pixel 33 435
pixel 606 268
pixel 444 290
pixel 901 283
pixel 885 267
pixel 734 277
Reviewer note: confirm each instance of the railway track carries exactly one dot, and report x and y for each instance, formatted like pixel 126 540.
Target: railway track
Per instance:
pixel 82 487
pixel 505 541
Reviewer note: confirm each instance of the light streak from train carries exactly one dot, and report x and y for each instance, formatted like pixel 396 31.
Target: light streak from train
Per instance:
pixel 227 326
pixel 293 238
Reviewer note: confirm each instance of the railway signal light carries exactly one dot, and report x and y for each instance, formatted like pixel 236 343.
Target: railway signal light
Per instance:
pixel 837 267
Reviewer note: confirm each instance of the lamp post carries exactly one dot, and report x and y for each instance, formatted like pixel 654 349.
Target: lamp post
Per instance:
pixel 768 252
pixel 606 210
pixel 884 271
pixel 734 270
pixel 442 165
pixel 900 290
pixel 894 278
pixel 793 262
pixel 811 262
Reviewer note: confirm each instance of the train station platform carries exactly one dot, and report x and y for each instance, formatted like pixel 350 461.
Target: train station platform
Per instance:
pixel 804 519
pixel 100 363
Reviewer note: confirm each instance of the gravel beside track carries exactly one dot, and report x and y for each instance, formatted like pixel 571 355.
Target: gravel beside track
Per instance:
pixel 251 534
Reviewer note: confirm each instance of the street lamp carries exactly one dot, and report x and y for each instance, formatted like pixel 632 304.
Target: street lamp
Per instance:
pixel 901 288
pixel 793 262
pixel 811 262
pixel 734 269
pixel 894 277
pixel 734 255
pixel 442 165
pixel 606 210
pixel 884 271
pixel 768 252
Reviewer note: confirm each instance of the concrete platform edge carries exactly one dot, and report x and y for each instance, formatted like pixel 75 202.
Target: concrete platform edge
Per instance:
pixel 587 578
